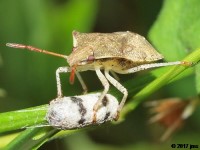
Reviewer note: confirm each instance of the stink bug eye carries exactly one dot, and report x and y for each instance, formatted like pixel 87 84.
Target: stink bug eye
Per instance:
pixel 91 58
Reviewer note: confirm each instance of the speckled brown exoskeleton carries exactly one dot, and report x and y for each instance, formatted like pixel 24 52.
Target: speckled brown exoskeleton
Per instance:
pixel 120 52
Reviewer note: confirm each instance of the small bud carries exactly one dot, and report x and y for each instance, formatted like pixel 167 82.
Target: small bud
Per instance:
pixel 171 113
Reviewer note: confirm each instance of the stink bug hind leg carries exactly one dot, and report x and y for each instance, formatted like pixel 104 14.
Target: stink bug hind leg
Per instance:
pixel 153 65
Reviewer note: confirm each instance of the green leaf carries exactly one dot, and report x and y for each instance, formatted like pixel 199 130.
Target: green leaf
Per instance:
pixel 22 118
pixel 164 33
pixel 176 32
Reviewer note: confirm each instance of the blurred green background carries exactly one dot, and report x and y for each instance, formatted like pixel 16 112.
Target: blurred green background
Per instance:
pixel 27 78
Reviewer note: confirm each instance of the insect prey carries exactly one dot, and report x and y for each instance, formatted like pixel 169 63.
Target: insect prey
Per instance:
pixel 120 52
pixel 77 111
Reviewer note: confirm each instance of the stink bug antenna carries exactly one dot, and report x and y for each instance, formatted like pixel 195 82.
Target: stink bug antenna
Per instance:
pixel 31 48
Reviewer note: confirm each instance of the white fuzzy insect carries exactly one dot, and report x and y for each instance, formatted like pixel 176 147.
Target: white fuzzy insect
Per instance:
pixel 77 111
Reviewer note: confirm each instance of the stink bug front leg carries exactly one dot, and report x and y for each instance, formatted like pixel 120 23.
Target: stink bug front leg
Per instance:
pixel 65 70
pixel 58 71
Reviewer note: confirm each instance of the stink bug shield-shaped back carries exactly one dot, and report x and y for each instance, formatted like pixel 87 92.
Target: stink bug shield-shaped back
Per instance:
pixel 120 52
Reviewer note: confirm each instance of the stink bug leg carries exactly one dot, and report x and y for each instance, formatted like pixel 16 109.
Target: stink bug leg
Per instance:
pixel 153 65
pixel 121 88
pixel 106 85
pixel 65 70
pixel 84 87
pixel 58 71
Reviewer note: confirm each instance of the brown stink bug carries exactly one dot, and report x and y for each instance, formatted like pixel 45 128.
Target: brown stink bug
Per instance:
pixel 120 52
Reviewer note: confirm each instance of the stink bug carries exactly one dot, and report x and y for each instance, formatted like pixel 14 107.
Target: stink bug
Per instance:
pixel 120 52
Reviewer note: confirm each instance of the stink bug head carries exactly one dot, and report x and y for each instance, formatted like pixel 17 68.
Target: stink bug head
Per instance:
pixel 81 57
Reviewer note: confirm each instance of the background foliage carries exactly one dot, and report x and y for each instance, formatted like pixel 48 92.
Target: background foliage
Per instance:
pixel 27 79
